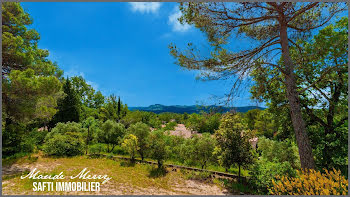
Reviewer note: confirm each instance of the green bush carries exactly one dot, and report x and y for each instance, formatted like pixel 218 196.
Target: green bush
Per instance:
pixel 263 172
pixel 97 149
pixel 12 138
pixel 118 150
pixel 36 138
pixel 68 144
pixel 277 159
pixel 62 128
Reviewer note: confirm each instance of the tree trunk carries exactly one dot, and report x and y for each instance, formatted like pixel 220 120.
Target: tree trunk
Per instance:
pixel 239 173
pixel 305 150
pixel 87 141
pixel 142 157
pixel 113 147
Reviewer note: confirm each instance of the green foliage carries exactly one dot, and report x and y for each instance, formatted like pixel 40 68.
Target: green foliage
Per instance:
pixel 233 146
pixel 322 69
pixel 97 148
pixel 203 123
pixel 197 175
pixel 197 150
pixel 264 171
pixel 63 128
pixel 109 111
pixel 69 108
pixel 275 151
pixel 130 145
pixel 158 148
pixel 111 133
pixel 28 96
pixel 36 138
pixel 11 139
pixel 66 139
pixel 142 132
pixel 68 144
pixel 170 126
pixel 277 159
pixel 84 91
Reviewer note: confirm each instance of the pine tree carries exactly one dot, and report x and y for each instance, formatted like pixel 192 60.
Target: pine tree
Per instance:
pixel 119 108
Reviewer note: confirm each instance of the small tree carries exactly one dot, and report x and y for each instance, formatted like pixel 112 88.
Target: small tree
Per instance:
pixel 203 149
pixel 91 124
pixel 131 146
pixel 141 131
pixel 233 145
pixel 159 150
pixel 111 133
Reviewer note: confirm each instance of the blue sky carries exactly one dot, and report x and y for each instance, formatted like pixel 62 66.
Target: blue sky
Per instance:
pixel 122 48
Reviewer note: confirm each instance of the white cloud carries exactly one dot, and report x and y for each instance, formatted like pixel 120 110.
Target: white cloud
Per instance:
pixel 145 7
pixel 94 85
pixel 74 71
pixel 175 23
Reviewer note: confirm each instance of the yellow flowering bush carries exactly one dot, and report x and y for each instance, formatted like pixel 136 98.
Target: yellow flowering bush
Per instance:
pixel 311 182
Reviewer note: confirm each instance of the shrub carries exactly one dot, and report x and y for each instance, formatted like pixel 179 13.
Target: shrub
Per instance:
pixel 111 133
pixel 119 151
pixel 311 183
pixel 36 138
pixel 130 145
pixel 277 159
pixel 263 172
pixel 141 131
pixel 279 151
pixel 158 148
pixel 97 149
pixel 68 144
pixel 63 128
pixel 197 175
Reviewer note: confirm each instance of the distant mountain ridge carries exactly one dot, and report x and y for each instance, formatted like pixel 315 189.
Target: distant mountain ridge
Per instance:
pixel 158 108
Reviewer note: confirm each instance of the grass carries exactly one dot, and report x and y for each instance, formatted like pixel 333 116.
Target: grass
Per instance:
pixel 232 170
pixel 126 179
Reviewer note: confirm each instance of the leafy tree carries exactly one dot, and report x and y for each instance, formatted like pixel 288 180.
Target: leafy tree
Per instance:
pixel 68 107
pixel 20 45
pixel 250 117
pixel 109 111
pixel 233 145
pixel 142 132
pixel 158 148
pixel 92 126
pixel 29 96
pixel 203 149
pixel 111 133
pixel 265 124
pixel 131 146
pixel 98 100
pixel 272 28
pixel 84 91
pixel 24 64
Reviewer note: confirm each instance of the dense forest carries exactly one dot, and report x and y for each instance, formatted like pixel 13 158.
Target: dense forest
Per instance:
pixel 302 134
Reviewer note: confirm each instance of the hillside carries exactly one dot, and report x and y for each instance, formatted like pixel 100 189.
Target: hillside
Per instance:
pixel 158 108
